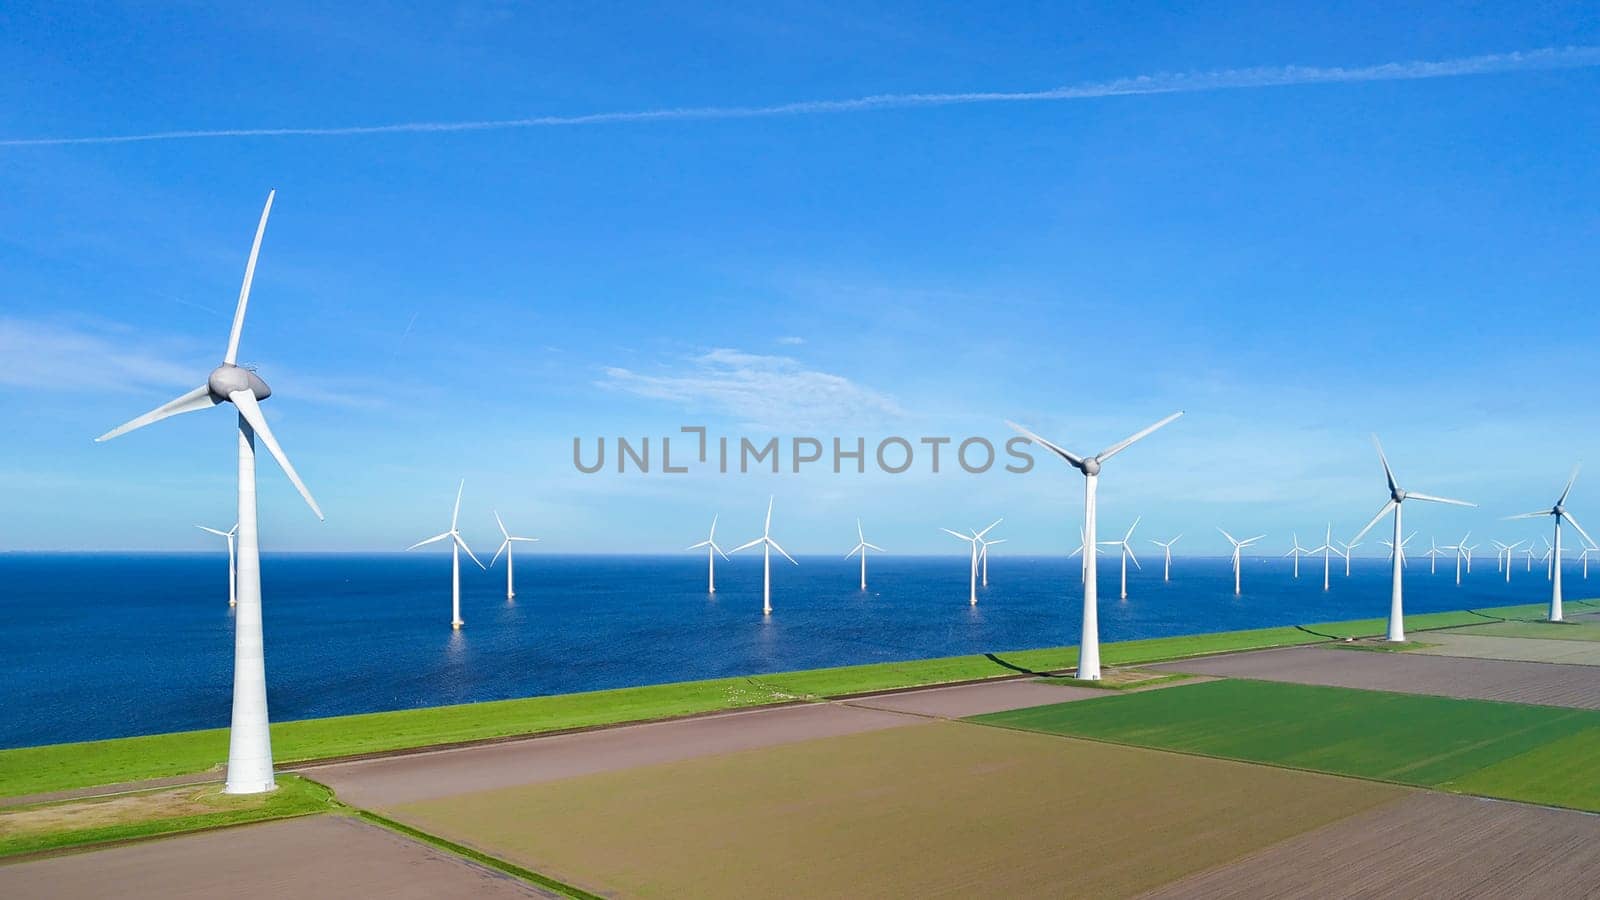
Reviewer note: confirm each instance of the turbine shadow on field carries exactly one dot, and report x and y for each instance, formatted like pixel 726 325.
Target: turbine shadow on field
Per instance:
pixel 1023 669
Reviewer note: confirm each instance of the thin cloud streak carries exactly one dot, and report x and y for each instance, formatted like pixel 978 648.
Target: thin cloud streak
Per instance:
pixel 1547 58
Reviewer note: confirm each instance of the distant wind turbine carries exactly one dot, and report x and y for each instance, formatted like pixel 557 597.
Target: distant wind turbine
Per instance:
pixel 1397 497
pixel 861 547
pixel 1390 544
pixel 1433 554
pixel 456 546
pixel 983 557
pixel 1089 642
pixel 1328 551
pixel 767 546
pixel 249 742
pixel 1166 550
pixel 1127 553
pixel 1083 564
pixel 505 547
pixel 1238 555
pixel 1584 558
pixel 233 592
pixel 712 552
pixel 1529 551
pixel 1503 552
pixel 1459 548
pixel 975 539
pixel 1558 513
pixel 1297 551
pixel 1348 550
pixel 1549 560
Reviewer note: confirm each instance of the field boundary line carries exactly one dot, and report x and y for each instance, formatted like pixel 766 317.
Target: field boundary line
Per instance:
pixel 476 856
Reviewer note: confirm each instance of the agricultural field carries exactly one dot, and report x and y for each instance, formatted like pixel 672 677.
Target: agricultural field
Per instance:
pixel 1513 751
pixel 1551 631
pixel 1572 651
pixel 934 809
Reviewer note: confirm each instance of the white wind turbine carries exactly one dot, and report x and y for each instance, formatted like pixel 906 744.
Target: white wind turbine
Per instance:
pixel 1166 549
pixel 1433 554
pixel 1558 513
pixel 767 546
pixel 1584 558
pixel 1403 544
pixel 862 546
pixel 1089 643
pixel 1548 560
pixel 1238 555
pixel 1529 551
pixel 233 591
pixel 249 742
pixel 1348 550
pixel 1126 545
pixel 1460 550
pixel 505 547
pixel 983 557
pixel 1397 497
pixel 456 546
pixel 975 539
pixel 1503 553
pixel 1083 567
pixel 1328 551
pixel 1297 551
pixel 712 552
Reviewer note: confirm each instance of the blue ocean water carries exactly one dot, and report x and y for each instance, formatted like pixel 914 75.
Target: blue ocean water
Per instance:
pixel 100 645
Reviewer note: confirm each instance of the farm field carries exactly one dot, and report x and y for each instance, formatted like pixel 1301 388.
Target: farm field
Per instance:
pixel 934 809
pixel 1580 630
pixel 1503 750
pixel 1568 651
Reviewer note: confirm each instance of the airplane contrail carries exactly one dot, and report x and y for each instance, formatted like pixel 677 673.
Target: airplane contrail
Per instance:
pixel 1571 57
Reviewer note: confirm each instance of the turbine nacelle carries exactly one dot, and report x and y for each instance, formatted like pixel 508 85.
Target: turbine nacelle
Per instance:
pixel 1090 466
pixel 228 378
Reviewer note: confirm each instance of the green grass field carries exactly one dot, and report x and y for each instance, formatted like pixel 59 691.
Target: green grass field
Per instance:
pixel 1508 750
pixel 31 770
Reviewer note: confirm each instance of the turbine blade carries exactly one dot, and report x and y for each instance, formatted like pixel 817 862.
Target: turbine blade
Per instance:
pixel 1532 515
pixel 433 540
pixel 457 512
pixel 859 536
pixel 213 531
pixel 503 545
pixel 1568 489
pixel 1252 540
pixel 1065 454
pixel 1129 536
pixel 745 546
pixel 1129 441
pixel 463 545
pixel 767 528
pixel 503 532
pixel 523 539
pixel 244 290
pixel 251 411
pixel 199 398
pixel 859 548
pixel 1574 523
pixel 991 526
pixel 698 546
pixel 1228 536
pixel 1432 499
pixel 1128 548
pixel 957 534
pixel 718 549
pixel 1388 473
pixel 881 550
pixel 781 550
pixel 1381 513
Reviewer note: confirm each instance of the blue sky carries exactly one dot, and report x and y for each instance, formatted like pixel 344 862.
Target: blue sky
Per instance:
pixel 1295 265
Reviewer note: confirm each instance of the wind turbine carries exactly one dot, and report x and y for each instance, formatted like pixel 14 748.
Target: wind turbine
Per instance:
pixel 1558 513
pixel 975 539
pixel 1166 549
pixel 1348 549
pixel 1460 549
pixel 1089 643
pixel 505 547
pixel 1083 569
pixel 1547 559
pixel 767 546
pixel 1503 552
pixel 1390 544
pixel 1328 551
pixel 983 556
pixel 249 743
pixel 713 551
pixel 456 546
pixel 1297 551
pixel 1238 558
pixel 1127 553
pixel 233 591
pixel 1397 498
pixel 862 547
pixel 1433 554
pixel 1584 558
pixel 1529 551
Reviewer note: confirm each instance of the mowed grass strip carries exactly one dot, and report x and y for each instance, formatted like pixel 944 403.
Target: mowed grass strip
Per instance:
pixel 933 810
pixel 1553 631
pixel 1464 745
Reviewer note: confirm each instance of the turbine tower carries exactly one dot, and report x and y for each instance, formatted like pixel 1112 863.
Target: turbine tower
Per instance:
pixel 1460 550
pixel 862 546
pixel 456 546
pixel 1089 642
pixel 1558 513
pixel 767 546
pixel 505 547
pixel 1126 545
pixel 975 539
pixel 1328 551
pixel 1166 549
pixel 983 557
pixel 233 590
pixel 712 552
pixel 1348 550
pixel 249 742
pixel 1297 551
pixel 1238 557
pixel 1397 497
pixel 1503 552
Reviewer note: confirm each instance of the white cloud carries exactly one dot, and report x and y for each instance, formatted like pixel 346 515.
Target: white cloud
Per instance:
pixel 762 390
pixel 791 340
pixel 58 357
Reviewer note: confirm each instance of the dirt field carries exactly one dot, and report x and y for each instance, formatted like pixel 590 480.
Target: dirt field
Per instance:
pixel 404 779
pixel 319 856
pixel 1411 672
pixel 1478 646
pixel 1427 845
pixel 935 809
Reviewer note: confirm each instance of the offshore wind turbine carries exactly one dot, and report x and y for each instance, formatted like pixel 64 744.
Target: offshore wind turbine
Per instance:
pixel 1460 549
pixel 1297 551
pixel 1397 498
pixel 983 557
pixel 456 546
pixel 1558 513
pixel 975 539
pixel 1503 552
pixel 1390 544
pixel 1127 553
pixel 505 547
pixel 1328 551
pixel 862 547
pixel 1238 558
pixel 1529 551
pixel 713 551
pixel 767 546
pixel 1083 568
pixel 1348 549
pixel 1166 549
pixel 1549 555
pixel 249 742
pixel 1584 558
pixel 1433 554
pixel 1089 642
pixel 233 591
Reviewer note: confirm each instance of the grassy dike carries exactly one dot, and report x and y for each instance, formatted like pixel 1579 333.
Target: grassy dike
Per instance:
pixel 32 770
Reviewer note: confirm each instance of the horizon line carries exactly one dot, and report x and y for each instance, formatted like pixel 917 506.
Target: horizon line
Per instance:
pixel 1541 59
